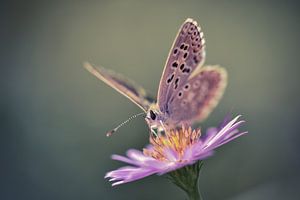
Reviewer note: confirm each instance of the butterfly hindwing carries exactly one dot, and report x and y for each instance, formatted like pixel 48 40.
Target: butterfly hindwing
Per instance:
pixel 187 52
pixel 198 96
pixel 123 85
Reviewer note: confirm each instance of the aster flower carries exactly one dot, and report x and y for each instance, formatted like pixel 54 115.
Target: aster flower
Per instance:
pixel 173 150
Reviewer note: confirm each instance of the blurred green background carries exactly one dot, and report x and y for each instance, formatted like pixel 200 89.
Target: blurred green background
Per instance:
pixel 54 114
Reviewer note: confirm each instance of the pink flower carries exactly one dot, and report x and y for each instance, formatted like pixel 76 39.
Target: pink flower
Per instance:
pixel 173 150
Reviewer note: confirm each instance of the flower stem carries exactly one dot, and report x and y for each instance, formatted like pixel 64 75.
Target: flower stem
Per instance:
pixel 194 194
pixel 186 178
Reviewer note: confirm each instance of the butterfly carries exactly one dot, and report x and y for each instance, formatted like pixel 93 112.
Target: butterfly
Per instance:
pixel 188 91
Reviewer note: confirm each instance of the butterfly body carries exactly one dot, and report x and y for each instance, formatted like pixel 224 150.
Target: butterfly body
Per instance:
pixel 187 91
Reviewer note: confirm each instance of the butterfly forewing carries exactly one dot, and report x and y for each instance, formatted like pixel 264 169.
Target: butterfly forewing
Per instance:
pixel 123 85
pixel 198 96
pixel 187 91
pixel 187 52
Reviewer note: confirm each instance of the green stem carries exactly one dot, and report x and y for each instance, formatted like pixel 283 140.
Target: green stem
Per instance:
pixel 186 178
pixel 194 193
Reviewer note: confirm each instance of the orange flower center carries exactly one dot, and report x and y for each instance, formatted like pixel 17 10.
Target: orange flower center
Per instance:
pixel 177 140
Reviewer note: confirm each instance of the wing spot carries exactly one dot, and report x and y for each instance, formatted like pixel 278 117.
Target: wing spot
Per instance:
pixel 187 86
pixel 175 51
pixel 176 83
pixel 196 59
pixel 182 46
pixel 180 94
pixel 191 29
pixel 186 47
pixel 175 64
pixel 185 27
pixel 181 66
pixel 170 79
pixel 185 55
pixel 186 70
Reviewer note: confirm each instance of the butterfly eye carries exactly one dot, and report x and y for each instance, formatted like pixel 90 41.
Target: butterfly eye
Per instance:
pixel 152 115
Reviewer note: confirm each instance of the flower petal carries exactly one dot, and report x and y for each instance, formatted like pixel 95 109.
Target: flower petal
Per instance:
pixel 221 133
pixel 124 159
pixel 171 155
pixel 133 175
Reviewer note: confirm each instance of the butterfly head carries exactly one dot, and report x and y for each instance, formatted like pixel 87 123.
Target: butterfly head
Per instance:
pixel 155 118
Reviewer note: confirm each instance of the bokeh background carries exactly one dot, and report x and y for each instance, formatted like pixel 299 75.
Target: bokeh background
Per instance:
pixel 54 114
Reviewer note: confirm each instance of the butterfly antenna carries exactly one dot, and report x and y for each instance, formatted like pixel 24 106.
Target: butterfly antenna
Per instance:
pixel 109 133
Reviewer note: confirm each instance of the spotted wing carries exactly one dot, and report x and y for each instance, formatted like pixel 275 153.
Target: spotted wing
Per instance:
pixel 187 52
pixel 123 85
pixel 198 96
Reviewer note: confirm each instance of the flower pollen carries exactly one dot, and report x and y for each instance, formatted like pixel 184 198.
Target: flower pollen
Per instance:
pixel 175 140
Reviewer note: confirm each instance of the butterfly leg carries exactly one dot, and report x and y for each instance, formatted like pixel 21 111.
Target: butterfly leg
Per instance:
pixel 153 131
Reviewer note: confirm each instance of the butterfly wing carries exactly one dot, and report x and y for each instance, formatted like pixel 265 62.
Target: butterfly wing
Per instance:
pixel 198 96
pixel 187 52
pixel 123 85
